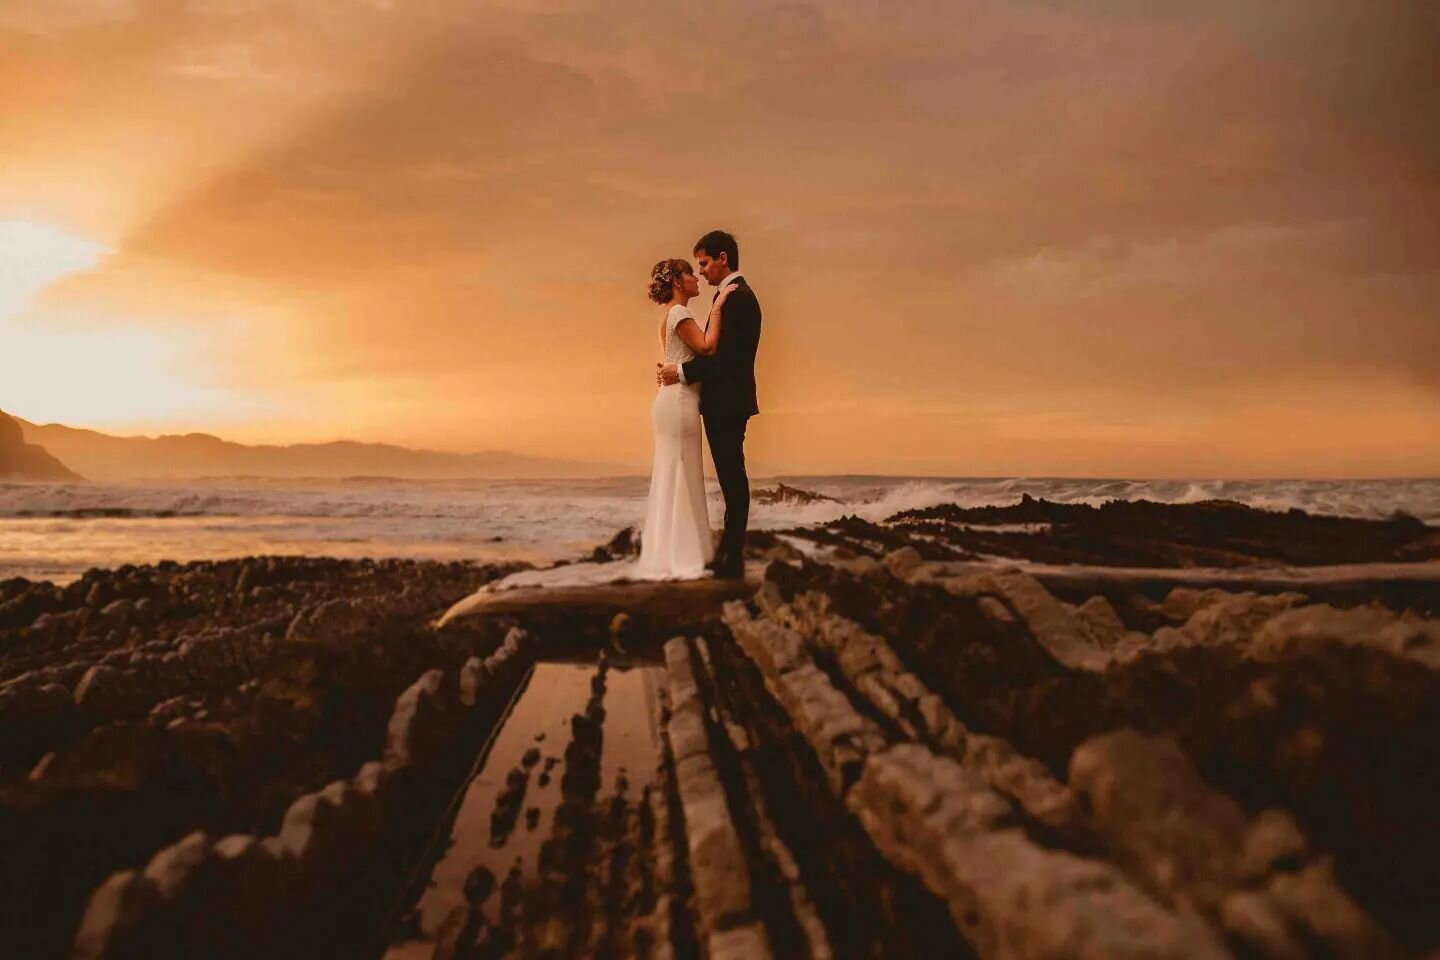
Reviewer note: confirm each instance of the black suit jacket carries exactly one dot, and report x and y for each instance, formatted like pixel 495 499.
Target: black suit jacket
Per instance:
pixel 728 374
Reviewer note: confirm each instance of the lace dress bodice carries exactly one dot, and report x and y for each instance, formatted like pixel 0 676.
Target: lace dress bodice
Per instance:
pixel 675 349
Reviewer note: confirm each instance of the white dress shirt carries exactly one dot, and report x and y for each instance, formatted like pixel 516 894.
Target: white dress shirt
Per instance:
pixel 725 282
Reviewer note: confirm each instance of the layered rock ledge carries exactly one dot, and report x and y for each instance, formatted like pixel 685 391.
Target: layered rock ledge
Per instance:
pixel 874 745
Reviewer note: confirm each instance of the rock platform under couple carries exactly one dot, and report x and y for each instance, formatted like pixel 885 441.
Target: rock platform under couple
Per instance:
pixel 615 587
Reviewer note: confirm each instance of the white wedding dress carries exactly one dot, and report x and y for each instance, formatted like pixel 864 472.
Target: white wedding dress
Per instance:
pixel 675 542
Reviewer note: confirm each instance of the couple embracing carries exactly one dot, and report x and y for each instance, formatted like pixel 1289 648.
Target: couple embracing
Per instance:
pixel 707 376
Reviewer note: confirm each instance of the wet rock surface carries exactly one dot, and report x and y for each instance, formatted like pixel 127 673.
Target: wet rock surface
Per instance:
pixel 143 703
pixel 881 748
pixel 782 493
pixel 1141 533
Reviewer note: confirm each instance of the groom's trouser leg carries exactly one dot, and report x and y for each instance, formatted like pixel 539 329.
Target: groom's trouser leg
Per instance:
pixel 727 449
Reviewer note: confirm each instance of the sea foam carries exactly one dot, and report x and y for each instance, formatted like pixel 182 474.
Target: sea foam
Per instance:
pixel 59 530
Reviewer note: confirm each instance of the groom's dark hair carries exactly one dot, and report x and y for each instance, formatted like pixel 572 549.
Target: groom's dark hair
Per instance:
pixel 717 242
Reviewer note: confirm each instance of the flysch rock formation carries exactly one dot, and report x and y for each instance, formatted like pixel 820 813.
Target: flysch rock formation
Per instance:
pixel 863 754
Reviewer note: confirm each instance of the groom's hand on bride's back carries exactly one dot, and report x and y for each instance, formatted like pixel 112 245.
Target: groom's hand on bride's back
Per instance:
pixel 666 374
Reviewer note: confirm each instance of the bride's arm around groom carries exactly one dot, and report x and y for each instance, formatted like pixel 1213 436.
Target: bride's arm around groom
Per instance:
pixel 727 369
pixel 705 342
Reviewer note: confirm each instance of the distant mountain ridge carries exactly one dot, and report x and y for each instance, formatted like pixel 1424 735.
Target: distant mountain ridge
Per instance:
pixel 101 456
pixel 27 461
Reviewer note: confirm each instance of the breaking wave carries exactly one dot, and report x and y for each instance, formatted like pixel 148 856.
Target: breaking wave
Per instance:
pixel 59 530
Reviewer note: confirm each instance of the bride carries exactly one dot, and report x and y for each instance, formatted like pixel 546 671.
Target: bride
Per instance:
pixel 675 541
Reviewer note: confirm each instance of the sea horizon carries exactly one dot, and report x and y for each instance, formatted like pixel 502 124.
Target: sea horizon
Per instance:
pixel 58 530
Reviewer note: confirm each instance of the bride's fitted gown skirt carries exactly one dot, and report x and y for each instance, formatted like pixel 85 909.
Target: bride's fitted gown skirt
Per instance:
pixel 675 541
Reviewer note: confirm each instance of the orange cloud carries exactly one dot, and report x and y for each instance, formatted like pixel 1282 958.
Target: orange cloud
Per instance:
pixel 989 237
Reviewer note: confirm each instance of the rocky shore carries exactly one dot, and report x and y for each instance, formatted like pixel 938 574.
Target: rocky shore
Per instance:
pixel 956 732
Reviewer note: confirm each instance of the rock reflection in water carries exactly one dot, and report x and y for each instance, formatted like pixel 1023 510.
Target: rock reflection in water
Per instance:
pixel 488 840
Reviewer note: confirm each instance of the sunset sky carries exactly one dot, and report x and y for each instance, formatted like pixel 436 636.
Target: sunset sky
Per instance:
pixel 1043 237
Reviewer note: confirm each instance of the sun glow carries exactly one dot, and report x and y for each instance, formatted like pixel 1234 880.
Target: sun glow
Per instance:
pixel 77 366
pixel 119 377
pixel 33 257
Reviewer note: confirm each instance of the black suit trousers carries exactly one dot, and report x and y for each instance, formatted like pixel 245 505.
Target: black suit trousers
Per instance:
pixel 726 434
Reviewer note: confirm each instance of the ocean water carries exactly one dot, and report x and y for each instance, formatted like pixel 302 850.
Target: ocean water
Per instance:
pixel 57 531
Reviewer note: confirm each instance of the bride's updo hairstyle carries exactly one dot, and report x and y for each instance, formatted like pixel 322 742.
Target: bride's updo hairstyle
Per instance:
pixel 663 277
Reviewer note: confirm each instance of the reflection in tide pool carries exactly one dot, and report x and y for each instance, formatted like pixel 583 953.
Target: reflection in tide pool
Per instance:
pixel 540 721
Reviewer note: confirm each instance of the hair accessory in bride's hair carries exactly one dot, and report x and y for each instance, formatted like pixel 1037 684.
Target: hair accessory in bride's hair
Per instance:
pixel 663 276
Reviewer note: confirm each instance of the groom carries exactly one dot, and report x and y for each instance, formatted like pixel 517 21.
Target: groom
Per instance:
pixel 727 397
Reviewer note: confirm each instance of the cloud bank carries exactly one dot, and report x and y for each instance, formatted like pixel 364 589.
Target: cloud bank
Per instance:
pixel 1030 236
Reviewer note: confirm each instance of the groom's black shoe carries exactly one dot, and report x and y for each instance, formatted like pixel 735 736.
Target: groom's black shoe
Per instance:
pixel 730 570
